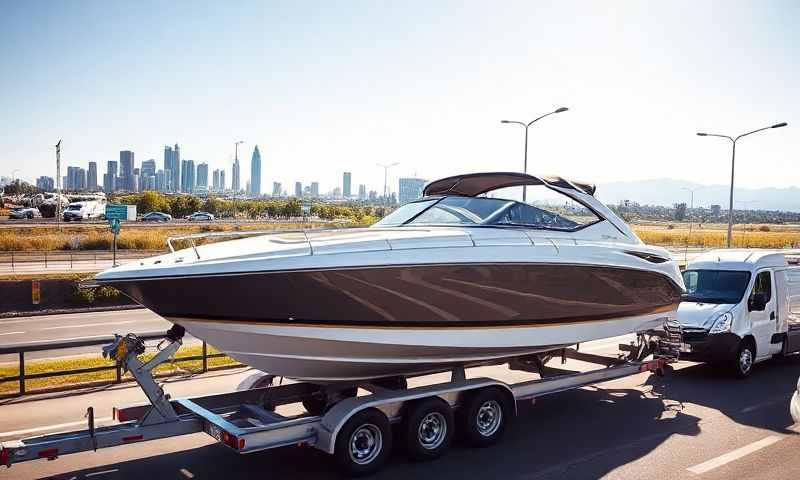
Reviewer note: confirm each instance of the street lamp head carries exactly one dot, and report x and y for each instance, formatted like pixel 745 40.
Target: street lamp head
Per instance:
pixel 562 109
pixel 701 134
pixel 779 125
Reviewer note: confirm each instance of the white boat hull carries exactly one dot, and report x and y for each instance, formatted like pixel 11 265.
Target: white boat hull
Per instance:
pixel 325 354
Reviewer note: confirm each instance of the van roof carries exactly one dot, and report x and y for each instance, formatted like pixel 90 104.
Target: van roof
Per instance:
pixel 738 259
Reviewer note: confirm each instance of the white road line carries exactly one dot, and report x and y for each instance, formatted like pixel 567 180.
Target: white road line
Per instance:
pixel 11 333
pixel 733 455
pixel 758 406
pixel 102 472
pixel 57 426
pixel 68 339
pixel 90 325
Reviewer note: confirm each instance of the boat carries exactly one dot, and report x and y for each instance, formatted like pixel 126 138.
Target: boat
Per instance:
pixel 462 276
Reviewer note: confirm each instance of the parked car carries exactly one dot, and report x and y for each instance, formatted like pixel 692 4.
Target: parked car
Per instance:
pixel 24 212
pixel 84 210
pixel 156 217
pixel 200 217
pixel 740 308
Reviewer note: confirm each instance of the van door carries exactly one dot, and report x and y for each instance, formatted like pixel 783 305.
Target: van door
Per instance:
pixel 762 312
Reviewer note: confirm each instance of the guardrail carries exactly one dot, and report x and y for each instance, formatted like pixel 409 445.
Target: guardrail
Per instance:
pixel 22 348
pixel 67 259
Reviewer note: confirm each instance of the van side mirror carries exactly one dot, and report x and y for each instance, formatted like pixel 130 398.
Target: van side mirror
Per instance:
pixel 757 303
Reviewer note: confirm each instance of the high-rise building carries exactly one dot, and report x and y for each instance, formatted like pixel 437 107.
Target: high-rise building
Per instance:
pixel 172 163
pixel 160 182
pixel 110 178
pixel 255 173
pixel 91 177
pixel 298 189
pixel 411 189
pixel 235 176
pixel 45 183
pixel 202 176
pixel 346 178
pixel 315 189
pixel 126 166
pixel 373 196
pixel 222 180
pixel 148 168
pixel 362 192
pixel 76 179
pixel 276 189
pixel 215 181
pixel 187 176
pixel 147 175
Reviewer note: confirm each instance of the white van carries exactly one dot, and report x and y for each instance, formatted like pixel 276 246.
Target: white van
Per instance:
pixel 84 210
pixel 740 307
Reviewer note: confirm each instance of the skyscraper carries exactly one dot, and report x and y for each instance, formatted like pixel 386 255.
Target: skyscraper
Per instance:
pixel 45 183
pixel 411 189
pixel 255 173
pixel 91 177
pixel 126 166
pixel 76 179
pixel 315 189
pixel 148 168
pixel 276 189
pixel 188 176
pixel 202 175
pixel 298 189
pixel 110 178
pixel 161 180
pixel 215 181
pixel 172 163
pixel 235 178
pixel 346 184
pixel 362 192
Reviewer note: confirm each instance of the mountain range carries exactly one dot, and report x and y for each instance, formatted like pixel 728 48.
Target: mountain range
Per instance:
pixel 667 192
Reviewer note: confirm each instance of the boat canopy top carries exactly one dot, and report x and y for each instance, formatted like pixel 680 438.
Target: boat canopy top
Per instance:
pixel 474 184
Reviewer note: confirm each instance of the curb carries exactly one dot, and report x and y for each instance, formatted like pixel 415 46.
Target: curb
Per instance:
pixel 60 311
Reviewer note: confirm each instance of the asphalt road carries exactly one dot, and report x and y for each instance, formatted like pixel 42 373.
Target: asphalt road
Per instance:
pixel 693 423
pixel 73 326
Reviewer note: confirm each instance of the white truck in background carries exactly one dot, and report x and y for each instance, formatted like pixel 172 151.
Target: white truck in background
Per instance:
pixel 741 307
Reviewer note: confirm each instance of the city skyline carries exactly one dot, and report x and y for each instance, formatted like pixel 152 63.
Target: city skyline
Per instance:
pixel 642 79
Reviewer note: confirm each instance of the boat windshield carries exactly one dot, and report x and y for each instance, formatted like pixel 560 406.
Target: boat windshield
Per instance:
pixel 715 286
pixel 458 210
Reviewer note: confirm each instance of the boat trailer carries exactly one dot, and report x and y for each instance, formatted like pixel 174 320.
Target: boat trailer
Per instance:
pixel 355 429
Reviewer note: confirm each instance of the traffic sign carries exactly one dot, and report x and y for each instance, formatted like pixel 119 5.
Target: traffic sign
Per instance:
pixel 114 223
pixel 116 211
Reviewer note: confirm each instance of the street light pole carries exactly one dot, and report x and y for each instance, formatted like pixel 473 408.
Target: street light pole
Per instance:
pixel 527 126
pixel 733 163
pixel 58 185
pixel 386 168
pixel 239 176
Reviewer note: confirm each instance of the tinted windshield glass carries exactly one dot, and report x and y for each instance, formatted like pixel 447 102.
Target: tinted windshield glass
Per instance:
pixel 462 211
pixel 405 213
pixel 715 286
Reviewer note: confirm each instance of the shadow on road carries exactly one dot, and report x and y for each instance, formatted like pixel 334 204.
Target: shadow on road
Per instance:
pixel 577 434
pixel 761 401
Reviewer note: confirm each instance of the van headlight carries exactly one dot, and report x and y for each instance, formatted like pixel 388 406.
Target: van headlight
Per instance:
pixel 723 323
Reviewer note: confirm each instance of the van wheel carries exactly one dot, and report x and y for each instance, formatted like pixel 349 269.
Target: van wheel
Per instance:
pixel 428 428
pixel 364 442
pixel 484 416
pixel 743 362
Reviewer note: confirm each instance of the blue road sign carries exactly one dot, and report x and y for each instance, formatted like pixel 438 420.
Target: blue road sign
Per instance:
pixel 116 211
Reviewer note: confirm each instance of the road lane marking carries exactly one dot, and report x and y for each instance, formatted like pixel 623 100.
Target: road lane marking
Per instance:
pixel 75 316
pixel 102 472
pixel 90 325
pixel 186 473
pixel 68 339
pixel 11 333
pixel 15 433
pixel 764 404
pixel 726 458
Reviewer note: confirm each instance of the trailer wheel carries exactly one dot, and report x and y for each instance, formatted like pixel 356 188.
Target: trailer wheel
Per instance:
pixel 484 416
pixel 428 428
pixel 742 364
pixel 364 442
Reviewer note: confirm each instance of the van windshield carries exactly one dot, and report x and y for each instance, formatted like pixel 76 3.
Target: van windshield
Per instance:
pixel 714 286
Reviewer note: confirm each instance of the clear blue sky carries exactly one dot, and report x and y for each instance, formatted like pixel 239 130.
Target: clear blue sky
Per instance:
pixel 324 87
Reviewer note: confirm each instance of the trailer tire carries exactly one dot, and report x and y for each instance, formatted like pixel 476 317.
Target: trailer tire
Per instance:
pixel 484 416
pixel 364 443
pixel 428 426
pixel 742 363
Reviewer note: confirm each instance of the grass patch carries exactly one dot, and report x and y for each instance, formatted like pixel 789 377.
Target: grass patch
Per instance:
pixel 53 365
pixel 134 236
pixel 751 237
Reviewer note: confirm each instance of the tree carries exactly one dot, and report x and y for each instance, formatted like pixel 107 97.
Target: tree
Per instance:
pixel 151 202
pixel 680 211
